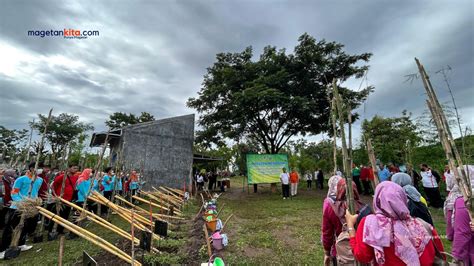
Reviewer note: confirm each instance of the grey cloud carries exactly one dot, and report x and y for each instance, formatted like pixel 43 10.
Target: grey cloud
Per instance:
pixel 151 55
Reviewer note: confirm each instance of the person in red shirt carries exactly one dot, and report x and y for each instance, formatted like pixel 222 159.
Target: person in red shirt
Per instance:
pixel 367 177
pixel 391 236
pixel 43 191
pixel 333 218
pixel 70 179
pixel 294 179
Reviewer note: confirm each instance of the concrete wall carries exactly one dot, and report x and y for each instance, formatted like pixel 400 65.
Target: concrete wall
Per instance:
pixel 162 148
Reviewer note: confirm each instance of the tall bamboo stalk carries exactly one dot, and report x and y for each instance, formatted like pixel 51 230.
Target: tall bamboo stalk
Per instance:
pixel 96 173
pixel 370 152
pixel 446 138
pixel 346 160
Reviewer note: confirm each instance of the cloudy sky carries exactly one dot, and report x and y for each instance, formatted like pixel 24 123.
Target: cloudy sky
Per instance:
pixel 151 55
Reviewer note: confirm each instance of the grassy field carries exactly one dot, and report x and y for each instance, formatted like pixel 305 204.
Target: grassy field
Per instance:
pixel 264 229
pixel 267 229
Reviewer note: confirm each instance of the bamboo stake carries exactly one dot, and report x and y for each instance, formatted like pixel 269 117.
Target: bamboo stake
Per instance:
pixel 156 215
pixel 132 229
pixel 154 204
pixel 227 220
pixel 87 235
pixel 171 194
pixel 63 184
pixel 206 234
pixel 96 173
pixel 333 121
pixel 157 199
pixel 61 250
pixel 100 221
pixel 345 155
pixel 370 152
pixel 166 197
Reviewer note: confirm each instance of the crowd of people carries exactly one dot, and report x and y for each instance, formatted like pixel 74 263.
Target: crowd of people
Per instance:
pixel 72 185
pixel 397 228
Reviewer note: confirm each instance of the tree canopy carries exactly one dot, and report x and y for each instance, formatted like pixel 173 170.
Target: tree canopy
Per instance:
pixel 118 119
pixel 10 139
pixel 276 97
pixel 393 138
pixel 63 129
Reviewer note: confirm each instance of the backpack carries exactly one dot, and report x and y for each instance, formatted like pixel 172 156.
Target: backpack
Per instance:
pixel 343 248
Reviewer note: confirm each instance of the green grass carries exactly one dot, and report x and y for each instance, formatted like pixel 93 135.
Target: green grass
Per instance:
pixel 267 229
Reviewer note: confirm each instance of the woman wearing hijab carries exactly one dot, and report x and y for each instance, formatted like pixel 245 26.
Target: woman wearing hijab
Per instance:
pixel 83 187
pixel 391 236
pixel 333 218
pixel 415 205
pixel 458 226
pixel 330 199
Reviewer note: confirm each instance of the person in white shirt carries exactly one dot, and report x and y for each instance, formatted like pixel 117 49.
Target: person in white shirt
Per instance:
pixel 285 183
pixel 430 187
pixel 309 180
pixel 449 178
pixel 200 181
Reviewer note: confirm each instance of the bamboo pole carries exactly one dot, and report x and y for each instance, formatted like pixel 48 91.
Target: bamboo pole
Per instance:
pixel 164 196
pixel 154 204
pixel 157 199
pixel 87 235
pixel 171 194
pixel 100 221
pixel 96 169
pixel 156 215
pixel 370 152
pixel 61 250
pixel 446 138
pixel 21 224
pixel 345 155
pixel 63 184
pixel 334 138
pixel 206 234
pixel 132 229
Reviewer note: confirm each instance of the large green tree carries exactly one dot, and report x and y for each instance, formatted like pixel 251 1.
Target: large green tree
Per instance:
pixel 118 119
pixel 277 96
pixel 10 140
pixel 62 130
pixel 393 138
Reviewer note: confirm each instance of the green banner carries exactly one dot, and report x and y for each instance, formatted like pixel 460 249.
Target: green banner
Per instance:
pixel 265 168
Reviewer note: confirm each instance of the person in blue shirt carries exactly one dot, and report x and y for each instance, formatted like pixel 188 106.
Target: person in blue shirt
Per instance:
pixel 108 184
pixel 118 183
pixel 26 186
pixel 384 173
pixel 84 189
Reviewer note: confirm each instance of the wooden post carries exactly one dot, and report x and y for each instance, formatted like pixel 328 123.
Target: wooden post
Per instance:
pixel 346 160
pixel 61 250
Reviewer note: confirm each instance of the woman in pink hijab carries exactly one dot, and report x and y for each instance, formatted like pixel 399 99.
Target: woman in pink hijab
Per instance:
pixel 391 236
